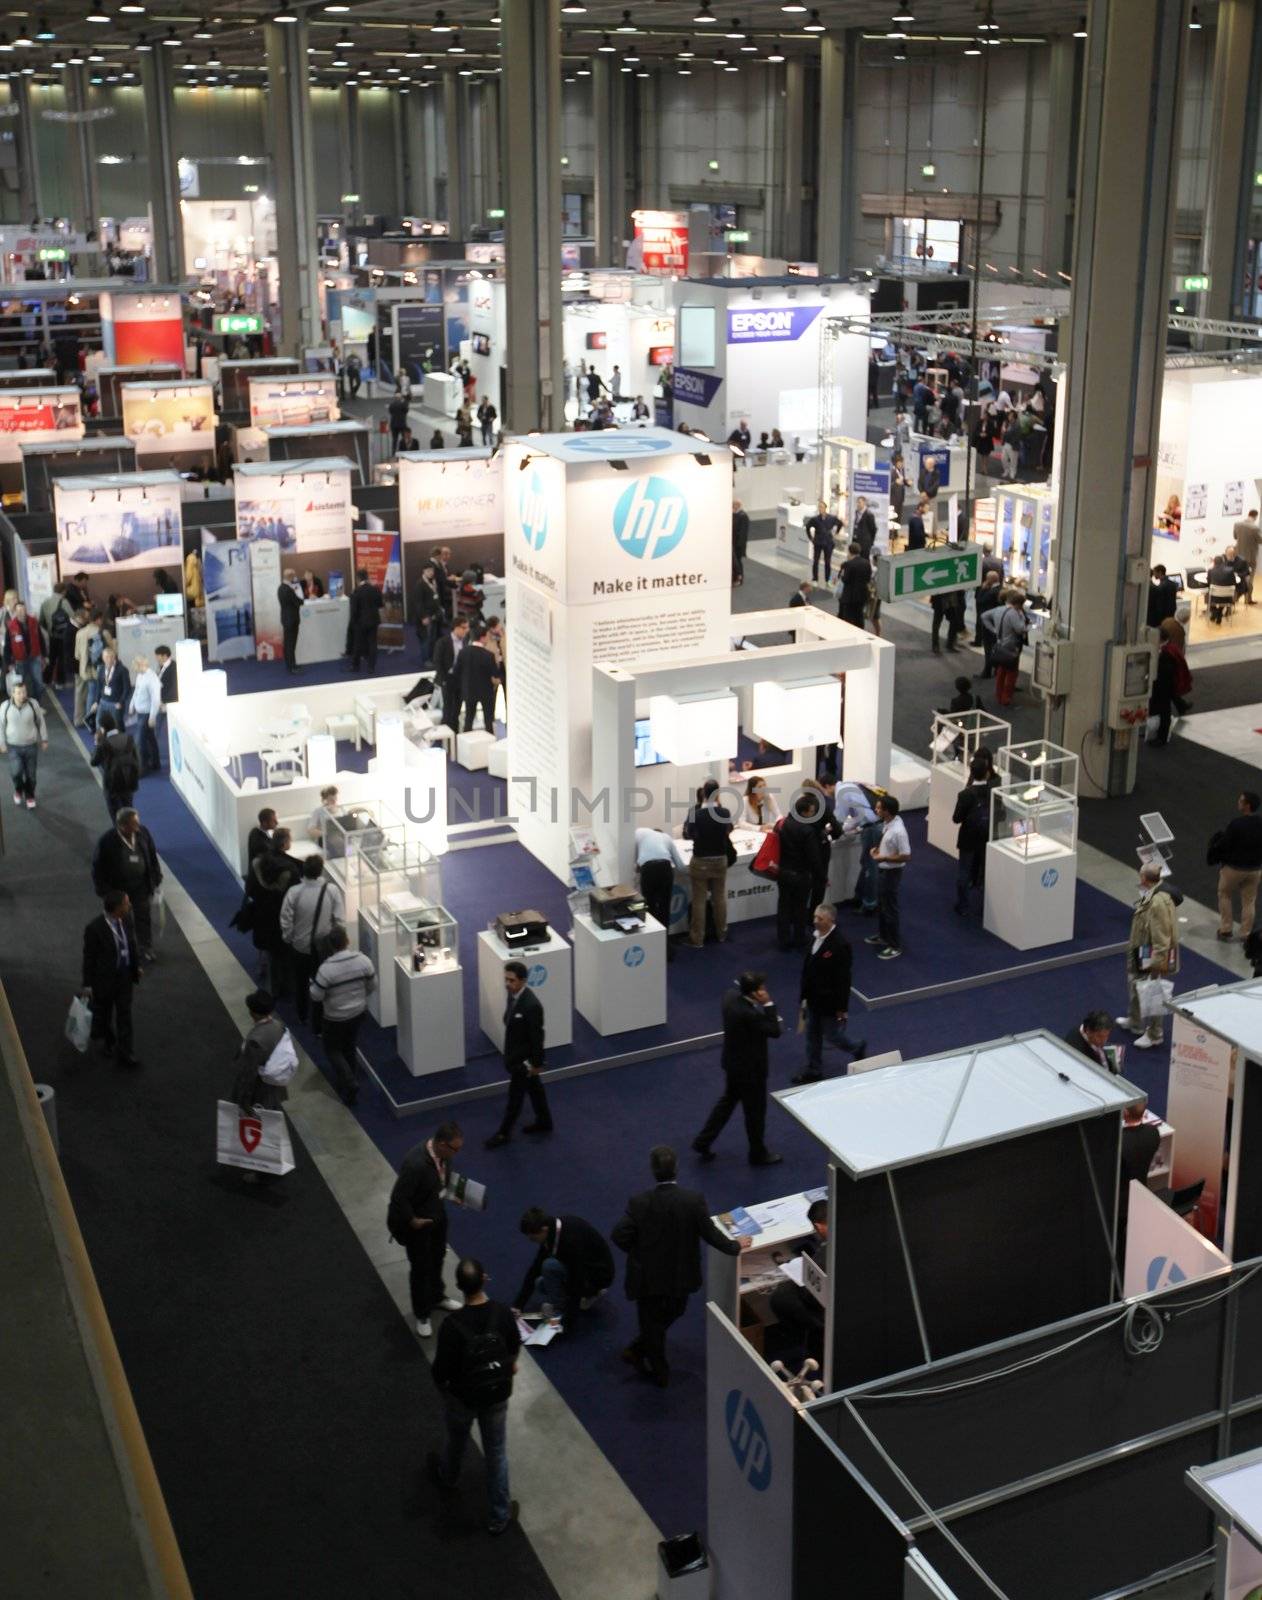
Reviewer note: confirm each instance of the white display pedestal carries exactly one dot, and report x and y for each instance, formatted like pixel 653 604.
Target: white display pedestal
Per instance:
pixel 381 945
pixel 551 969
pixel 909 780
pixel 430 1007
pixel 946 780
pixel 1030 899
pixel 322 632
pixel 619 978
pixel 473 749
pixel 442 392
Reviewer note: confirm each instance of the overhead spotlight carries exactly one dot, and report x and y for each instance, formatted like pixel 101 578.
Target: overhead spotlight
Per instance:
pixel 626 25
pixel 632 58
pixel 133 8
pixel 903 14
pixel 1194 21
pixel 735 31
pixel 202 30
pixel 684 72
pixel 1080 32
pixel 793 6
pixel 814 25
pixel 972 50
pixel 573 8
pixel 704 14
pixel 606 45
pixel 284 16
pixel 44 33
pixel 440 23
pixel 775 54
pixel 455 48
pixel 749 48
pixel 142 44
pixel 687 53
pixel 172 39
pixel 102 18
pixel 412 53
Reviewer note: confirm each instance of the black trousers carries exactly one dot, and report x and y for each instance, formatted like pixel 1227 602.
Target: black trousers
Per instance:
pixel 656 1313
pixel 487 702
pixel 302 967
pixel 751 1095
pixel 793 891
pixel 822 553
pixel 290 647
pixel 426 1248
pixel 111 1015
pixel 451 706
pixel 657 885
pixel 521 1083
pixel 141 910
pixel 889 880
pixel 364 646
pixel 339 1045
pixel 853 612
pixel 798 1311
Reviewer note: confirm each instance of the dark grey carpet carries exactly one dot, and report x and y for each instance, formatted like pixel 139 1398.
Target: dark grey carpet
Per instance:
pixel 287 1407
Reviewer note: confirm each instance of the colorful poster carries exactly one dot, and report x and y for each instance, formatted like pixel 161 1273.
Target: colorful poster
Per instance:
pixel 661 239
pixel 267 515
pixel 166 417
pixel 111 525
pixel 381 556
pixel 1196 1107
pixel 293 402
pixel 323 510
pixel 27 416
pixel 265 583
pixel 229 598
pixel 440 500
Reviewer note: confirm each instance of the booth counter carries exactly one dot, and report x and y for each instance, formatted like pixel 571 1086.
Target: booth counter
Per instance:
pixel 750 896
pixel 322 634
pixel 741 1285
pixel 142 634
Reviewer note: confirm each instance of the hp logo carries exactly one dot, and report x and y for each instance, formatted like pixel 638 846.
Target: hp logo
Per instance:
pixel 532 506
pixel 537 976
pixel 633 956
pixel 650 518
pixel 177 753
pixel 748 1439
pixel 678 902
pixel 1164 1273
pixel 620 445
pixel 1050 878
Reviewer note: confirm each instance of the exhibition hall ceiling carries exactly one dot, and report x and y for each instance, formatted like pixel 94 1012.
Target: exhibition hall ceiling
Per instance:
pixel 393 41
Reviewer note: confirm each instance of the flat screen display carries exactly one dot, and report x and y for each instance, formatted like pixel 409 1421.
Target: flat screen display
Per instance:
pixel 170 605
pixel 597 341
pixel 661 355
pixel 697 335
pixel 645 755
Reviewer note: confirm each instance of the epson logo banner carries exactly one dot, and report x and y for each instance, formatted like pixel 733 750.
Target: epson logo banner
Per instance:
pixel 776 323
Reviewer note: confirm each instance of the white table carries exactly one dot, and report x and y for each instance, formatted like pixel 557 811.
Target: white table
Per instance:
pixel 1030 898
pixel 747 896
pixel 141 635
pixel 619 978
pixel 430 1008
pixel 442 392
pixel 322 634
pixel 551 969
pixel 345 726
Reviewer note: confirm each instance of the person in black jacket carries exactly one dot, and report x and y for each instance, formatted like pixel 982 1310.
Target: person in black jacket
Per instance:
pixel 572 1266
pixel 427 612
pixel 793 1305
pixel 447 653
pixel 864 531
pixel 803 862
pixel 290 618
pixel 972 817
pixel 825 995
pixel 417 1219
pixel 479 681
pixel 750 1019
pixel 740 541
pixel 1091 1037
pixel 523 1057
pixel 111 970
pixel 115 752
pixel 661 1232
pixel 852 588
pixel 916 525
pixel 986 599
pixel 821 532
pixel 365 617
pixel 709 827
pixel 272 874
pixel 126 859
pixel 1163 597
pixel 1237 852
pixel 260 836
pixel 168 674
pixel 440 557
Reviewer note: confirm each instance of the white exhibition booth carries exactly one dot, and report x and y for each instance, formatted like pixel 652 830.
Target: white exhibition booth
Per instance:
pixel 121 527
pixel 171 421
pixel 453 497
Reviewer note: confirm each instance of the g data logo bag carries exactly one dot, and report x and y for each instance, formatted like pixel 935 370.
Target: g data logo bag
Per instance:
pixel 650 518
pixel 532 509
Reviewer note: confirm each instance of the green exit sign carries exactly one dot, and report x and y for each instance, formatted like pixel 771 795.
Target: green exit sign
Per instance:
pixel 737 236
pixel 238 322
pixel 496 212
pixel 54 253
pixel 1195 283
pixel 928 170
pixel 929 571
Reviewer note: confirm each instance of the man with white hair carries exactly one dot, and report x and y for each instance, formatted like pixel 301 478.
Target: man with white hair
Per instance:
pixel 1152 952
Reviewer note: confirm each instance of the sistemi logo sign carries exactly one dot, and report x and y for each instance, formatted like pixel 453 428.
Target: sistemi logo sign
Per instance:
pixel 650 518
pixel 532 508
pixel 748 1438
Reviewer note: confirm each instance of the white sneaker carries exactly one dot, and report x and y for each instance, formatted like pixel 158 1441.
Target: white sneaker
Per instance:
pixel 448 1304
pixel 30 802
pixel 424 1327
pixel 1147 1044
pixel 1125 1022
pixel 17 798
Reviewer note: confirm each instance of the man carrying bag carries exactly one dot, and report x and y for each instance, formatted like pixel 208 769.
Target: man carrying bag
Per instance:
pixel 1152 953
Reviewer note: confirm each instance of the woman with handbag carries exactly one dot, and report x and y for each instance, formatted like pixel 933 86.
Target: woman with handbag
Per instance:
pixel 709 827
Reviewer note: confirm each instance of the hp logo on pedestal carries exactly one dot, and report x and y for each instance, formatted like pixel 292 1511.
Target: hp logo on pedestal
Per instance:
pixel 633 956
pixel 537 976
pixel 1164 1273
pixel 1050 878
pixel 532 507
pixel 650 518
pixel 177 754
pixel 748 1439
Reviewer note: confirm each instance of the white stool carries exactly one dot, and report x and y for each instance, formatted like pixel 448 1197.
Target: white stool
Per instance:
pixel 441 734
pixel 345 726
pixel 497 759
pixel 472 750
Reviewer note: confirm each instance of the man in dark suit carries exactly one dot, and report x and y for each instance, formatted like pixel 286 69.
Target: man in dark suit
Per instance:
pixel 365 617
pixel 168 676
pixel 916 526
pixel 852 596
pixel 825 994
pixel 479 680
pixel 111 970
pixel 440 556
pixel 417 1219
pixel 523 1057
pixel 749 1020
pixel 260 838
pixel 803 861
pixel 572 1267
pixel 447 653
pixel 793 1305
pixel 740 541
pixel 126 859
pixel 290 601
pixel 1091 1037
pixel 864 534
pixel 115 687
pixel 801 596
pixel 661 1232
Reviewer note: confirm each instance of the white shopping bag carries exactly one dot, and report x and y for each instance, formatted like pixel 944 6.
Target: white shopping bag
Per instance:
pixel 258 1141
pixel 1151 995
pixel 79 1023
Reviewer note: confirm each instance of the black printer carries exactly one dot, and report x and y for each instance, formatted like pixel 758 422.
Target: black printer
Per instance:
pixel 518 929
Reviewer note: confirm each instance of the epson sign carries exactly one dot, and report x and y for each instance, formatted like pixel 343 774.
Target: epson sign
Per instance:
pixel 774 324
pixel 694 388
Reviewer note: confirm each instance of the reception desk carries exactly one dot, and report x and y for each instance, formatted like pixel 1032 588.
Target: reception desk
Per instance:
pixel 322 634
pixel 750 896
pixel 141 635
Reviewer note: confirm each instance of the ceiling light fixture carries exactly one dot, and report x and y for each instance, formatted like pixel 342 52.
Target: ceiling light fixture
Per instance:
pixel 440 23
pixel 573 8
pixel 704 14
pixel 455 48
pixel 202 30
pixel 132 9
pixel 605 46
pixel 903 14
pixel 775 54
pixel 95 15
pixel 687 53
pixel 172 40
pixel 1194 21
pixel 1080 32
pixel 143 45
pixel 735 31
pixel 44 33
pixel 814 25
pixel 284 16
pixel 793 6
pixel 626 25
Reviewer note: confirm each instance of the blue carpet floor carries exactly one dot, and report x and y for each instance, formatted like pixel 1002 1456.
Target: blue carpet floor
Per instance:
pixel 606 1123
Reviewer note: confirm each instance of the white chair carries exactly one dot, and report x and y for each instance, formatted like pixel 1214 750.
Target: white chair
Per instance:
pixel 345 726
pixel 1220 597
pixel 282 768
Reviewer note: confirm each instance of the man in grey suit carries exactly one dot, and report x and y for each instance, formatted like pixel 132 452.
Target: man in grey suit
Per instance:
pixel 661 1232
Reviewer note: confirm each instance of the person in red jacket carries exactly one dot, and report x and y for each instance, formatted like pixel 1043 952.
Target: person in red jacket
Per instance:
pixel 24 649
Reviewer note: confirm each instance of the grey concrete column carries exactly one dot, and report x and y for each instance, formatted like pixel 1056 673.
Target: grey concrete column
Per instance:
pixel 293 173
pixel 454 109
pixel 1233 141
pixel 1061 54
pixel 835 200
pixel 1110 410
pixel 350 149
pixel 793 122
pixel 651 191
pixel 416 158
pixel 432 132
pixel 530 118
pixel 609 127
pixel 398 145
pixel 164 178
pixel 492 188
pixel 30 192
pixel 83 153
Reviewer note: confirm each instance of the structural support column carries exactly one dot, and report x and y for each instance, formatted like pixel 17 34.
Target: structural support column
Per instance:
pixel 793 134
pixel 164 177
pixel 609 131
pixel 1110 415
pixel 87 198
pixel 835 199
pixel 350 145
pixel 432 135
pixel 457 166
pixel 1058 174
pixel 1233 141
pixel 650 192
pixel 414 155
pixel 30 194
pixel 530 115
pixel 293 192
pixel 492 189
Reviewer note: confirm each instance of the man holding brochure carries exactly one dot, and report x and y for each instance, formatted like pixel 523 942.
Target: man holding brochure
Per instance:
pixel 417 1219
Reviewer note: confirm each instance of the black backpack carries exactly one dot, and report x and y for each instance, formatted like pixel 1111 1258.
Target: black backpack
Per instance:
pixel 486 1374
pixel 124 770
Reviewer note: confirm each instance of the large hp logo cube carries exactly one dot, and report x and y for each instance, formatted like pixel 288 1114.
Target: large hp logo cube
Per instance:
pixel 650 518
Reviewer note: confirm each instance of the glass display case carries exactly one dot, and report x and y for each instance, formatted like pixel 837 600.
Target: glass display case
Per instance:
pixel 957 736
pixel 356 827
pixel 1032 820
pixel 395 876
pixel 427 937
pixel 1039 761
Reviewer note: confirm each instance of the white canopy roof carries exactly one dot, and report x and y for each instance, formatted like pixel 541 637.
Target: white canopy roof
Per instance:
pixel 1234 1011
